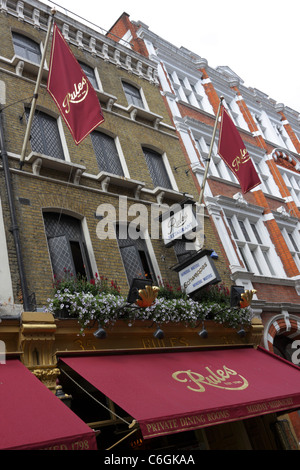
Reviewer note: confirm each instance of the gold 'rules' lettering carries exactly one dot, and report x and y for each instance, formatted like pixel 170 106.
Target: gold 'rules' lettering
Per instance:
pixel 225 379
pixel 78 94
pixel 242 158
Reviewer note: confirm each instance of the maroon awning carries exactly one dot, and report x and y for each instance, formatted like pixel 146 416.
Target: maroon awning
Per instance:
pixel 178 391
pixel 32 417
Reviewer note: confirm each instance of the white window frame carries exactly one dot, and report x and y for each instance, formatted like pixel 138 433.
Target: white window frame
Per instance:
pixel 290 226
pixel 141 92
pixel 292 181
pixel 259 257
pixel 217 167
pixel 96 75
pixel 119 152
pixel 268 184
pixel 21 56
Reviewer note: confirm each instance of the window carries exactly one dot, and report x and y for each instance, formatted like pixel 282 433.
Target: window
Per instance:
pixel 292 239
pixel 181 251
pixel 27 48
pixel 292 181
pixel 232 228
pixel 133 95
pixel 198 98
pixel 259 122
pixel 256 234
pixel 135 256
pixel 183 92
pixel 106 153
pixel 217 167
pixel 90 73
pixel 244 231
pixel 254 252
pixel 264 175
pixel 45 136
pixel 66 245
pixel 157 169
pixel 283 347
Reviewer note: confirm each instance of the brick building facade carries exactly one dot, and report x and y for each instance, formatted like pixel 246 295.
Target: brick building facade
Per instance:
pixel 158 104
pixel 62 178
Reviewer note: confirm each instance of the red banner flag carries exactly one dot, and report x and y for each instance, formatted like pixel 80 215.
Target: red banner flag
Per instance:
pixel 234 153
pixel 71 90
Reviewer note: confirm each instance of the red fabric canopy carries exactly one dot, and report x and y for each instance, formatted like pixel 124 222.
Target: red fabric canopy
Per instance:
pixel 32 417
pixel 179 391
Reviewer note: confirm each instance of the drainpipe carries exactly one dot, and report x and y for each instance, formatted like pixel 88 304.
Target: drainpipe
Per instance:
pixel 14 228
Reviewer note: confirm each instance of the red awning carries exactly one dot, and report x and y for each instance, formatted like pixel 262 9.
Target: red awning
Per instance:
pixel 179 391
pixel 32 417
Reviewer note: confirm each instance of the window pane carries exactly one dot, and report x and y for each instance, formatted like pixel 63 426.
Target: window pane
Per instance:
pixel 60 255
pixel 256 262
pixel 106 153
pixel 293 242
pixel 89 72
pixel 266 256
pixel 157 169
pixel 45 136
pixel 256 234
pixel 26 48
pixel 66 245
pixel 245 233
pixel 77 258
pixel 232 228
pixel 133 95
pixel 132 263
pixel 245 259
pixel 136 259
pixel 181 251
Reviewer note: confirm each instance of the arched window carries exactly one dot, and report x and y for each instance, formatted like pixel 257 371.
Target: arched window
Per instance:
pixel 90 73
pixel 66 245
pixel 283 347
pixel 106 153
pixel 27 48
pixel 45 136
pixel 157 169
pixel 133 95
pixel 135 256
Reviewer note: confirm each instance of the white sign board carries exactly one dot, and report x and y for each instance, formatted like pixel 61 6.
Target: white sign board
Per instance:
pixel 178 224
pixel 197 275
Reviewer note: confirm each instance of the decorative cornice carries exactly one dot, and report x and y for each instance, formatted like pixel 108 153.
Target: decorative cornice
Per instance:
pixel 83 36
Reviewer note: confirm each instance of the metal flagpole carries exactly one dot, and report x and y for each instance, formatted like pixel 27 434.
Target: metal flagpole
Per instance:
pixel 35 95
pixel 210 151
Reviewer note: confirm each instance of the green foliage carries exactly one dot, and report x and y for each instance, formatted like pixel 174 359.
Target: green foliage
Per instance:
pixel 95 286
pixel 99 300
pixel 215 293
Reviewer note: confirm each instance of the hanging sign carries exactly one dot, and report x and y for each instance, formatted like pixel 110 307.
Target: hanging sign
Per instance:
pixel 178 224
pixel 197 272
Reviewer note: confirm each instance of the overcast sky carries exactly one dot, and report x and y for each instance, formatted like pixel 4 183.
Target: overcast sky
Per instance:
pixel 258 40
